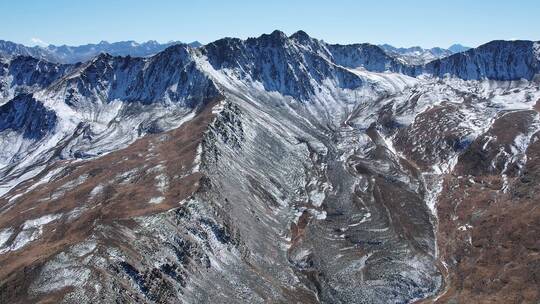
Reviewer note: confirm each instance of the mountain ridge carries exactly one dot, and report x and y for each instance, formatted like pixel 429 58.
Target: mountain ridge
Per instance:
pixel 73 54
pixel 271 169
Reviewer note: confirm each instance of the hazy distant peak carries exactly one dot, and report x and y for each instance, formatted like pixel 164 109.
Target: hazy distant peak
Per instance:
pixel 80 53
pixel 458 48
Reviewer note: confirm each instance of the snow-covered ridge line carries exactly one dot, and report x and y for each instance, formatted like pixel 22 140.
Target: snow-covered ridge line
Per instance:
pixel 417 55
pixel 118 99
pixel 97 93
pixel 81 53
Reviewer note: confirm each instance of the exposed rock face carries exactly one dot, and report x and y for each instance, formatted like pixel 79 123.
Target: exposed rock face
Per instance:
pixel 295 66
pixel 24 74
pixel 169 77
pixel 27 116
pixel 273 169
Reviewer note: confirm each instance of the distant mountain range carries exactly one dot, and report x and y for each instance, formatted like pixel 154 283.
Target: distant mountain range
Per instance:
pixel 81 53
pixel 418 55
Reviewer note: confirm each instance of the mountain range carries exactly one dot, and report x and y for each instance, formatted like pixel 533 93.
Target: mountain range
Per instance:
pixel 275 169
pixel 418 55
pixel 81 53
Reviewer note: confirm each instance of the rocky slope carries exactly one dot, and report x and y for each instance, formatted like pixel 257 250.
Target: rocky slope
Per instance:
pixel 273 169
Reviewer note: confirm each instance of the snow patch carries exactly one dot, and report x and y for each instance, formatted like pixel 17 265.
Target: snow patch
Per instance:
pixel 364 219
pixel 162 182
pixel 320 215
pixel 5 234
pixel 156 200
pixel 197 160
pixel 31 230
pixel 39 222
pixel 47 178
pixel 59 273
pixel 75 213
pixel 96 191
pixel 465 227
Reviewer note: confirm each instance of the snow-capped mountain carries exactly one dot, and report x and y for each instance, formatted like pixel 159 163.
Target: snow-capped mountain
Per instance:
pixel 273 169
pixel 367 56
pixel 97 104
pixel 81 53
pixel 417 55
pixel 23 74
pixel 498 60
pixel 297 66
pixel 8 48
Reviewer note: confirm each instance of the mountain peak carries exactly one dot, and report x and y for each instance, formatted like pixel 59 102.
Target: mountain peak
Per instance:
pixel 278 34
pixel 458 48
pixel 195 44
pixel 277 37
pixel 300 36
pixel 103 55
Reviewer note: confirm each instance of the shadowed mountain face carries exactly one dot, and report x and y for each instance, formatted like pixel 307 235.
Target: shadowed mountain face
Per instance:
pixel 24 74
pixel 274 169
pixel 25 113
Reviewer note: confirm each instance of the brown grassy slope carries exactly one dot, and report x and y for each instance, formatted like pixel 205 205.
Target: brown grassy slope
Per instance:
pixel 128 179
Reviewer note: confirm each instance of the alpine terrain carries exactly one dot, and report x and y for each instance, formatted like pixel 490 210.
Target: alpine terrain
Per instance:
pixel 276 169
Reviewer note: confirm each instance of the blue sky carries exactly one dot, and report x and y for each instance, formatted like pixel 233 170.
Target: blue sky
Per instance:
pixel 401 23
